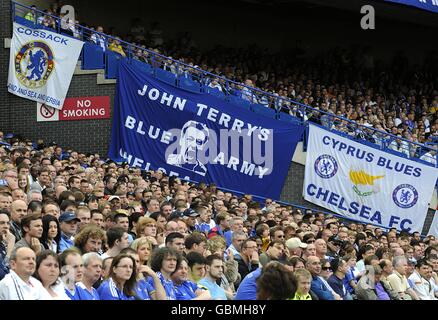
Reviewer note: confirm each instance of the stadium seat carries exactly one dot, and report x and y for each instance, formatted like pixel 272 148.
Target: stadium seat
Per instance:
pixel 288 118
pixel 165 76
pixel 239 102
pixel 24 22
pixel 215 92
pixel 261 109
pixel 112 61
pixel 189 85
pixel 93 57
pixel 143 66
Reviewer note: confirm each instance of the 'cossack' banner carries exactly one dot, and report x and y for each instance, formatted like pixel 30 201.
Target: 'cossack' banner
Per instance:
pixel 41 65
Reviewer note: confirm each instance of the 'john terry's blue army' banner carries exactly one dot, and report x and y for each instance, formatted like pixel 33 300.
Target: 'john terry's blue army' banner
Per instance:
pixel 41 65
pixel 430 5
pixel 366 184
pixel 198 136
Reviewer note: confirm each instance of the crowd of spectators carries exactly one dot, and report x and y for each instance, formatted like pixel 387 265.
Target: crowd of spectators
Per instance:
pixel 76 226
pixel 395 97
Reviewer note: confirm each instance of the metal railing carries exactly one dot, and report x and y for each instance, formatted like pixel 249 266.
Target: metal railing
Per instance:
pixel 361 133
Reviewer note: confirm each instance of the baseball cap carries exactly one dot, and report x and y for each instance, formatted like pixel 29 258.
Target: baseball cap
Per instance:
pixel 335 240
pixel 190 213
pixel 111 198
pixel 68 216
pixel 294 243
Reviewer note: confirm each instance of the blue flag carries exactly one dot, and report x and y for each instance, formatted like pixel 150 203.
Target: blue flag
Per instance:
pixel 430 5
pixel 198 136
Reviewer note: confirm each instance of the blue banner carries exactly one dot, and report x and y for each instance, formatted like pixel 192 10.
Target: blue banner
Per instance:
pixel 198 136
pixel 429 5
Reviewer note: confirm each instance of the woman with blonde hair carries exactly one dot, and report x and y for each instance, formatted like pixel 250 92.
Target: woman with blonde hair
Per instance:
pixel 147 227
pixel 143 247
pixel 23 183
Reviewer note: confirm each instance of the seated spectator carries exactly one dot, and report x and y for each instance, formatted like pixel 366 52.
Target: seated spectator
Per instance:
pixel 249 258
pixel 117 240
pixel 92 273
pixel 420 279
pixel 196 242
pixel 398 280
pixel 99 38
pixel 69 226
pixel 31 15
pixel 321 289
pixel 302 278
pixel 275 283
pixel 164 262
pixel 145 275
pixel 51 233
pixel 184 288
pixel 336 280
pixel 175 241
pixel 370 287
pixel 275 252
pixel 90 239
pixel 117 47
pixel 19 284
pixel 213 273
pixel 47 271
pixel 7 242
pixel 122 280
pixel 72 270
pixel 32 225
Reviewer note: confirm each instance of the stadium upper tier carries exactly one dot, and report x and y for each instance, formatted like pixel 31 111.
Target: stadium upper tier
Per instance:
pixel 102 51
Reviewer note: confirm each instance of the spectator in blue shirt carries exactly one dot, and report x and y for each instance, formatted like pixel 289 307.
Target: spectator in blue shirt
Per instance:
pixel 122 280
pixel 214 271
pixel 350 280
pixel 313 264
pixel 69 227
pixel 164 262
pixel 92 272
pixel 72 270
pixel 248 287
pixel 184 288
pixel 145 290
pixel 336 281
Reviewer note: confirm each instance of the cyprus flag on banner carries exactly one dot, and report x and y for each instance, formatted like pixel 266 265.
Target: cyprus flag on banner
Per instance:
pixel 41 65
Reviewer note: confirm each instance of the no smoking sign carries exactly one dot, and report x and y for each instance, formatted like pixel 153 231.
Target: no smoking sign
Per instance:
pixel 46 113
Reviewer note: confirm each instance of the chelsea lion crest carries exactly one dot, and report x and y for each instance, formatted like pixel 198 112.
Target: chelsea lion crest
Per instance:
pixel 326 166
pixel 405 196
pixel 34 63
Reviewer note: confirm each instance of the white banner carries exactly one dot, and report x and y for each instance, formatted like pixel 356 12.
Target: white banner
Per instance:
pixel 42 64
pixel 366 184
pixel 434 226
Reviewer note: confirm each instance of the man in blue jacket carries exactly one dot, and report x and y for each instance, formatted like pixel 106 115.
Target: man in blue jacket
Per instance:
pixel 318 287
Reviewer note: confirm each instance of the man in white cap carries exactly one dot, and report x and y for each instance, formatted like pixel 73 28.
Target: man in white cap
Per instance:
pixel 295 247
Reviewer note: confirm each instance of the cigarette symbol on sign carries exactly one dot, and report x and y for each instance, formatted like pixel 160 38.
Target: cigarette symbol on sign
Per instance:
pixel 47 112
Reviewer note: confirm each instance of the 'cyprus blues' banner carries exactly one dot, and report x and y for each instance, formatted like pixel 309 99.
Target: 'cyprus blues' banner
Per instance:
pixel 430 5
pixel 41 65
pixel 366 184
pixel 198 136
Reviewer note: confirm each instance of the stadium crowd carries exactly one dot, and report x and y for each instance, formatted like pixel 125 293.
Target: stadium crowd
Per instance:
pixel 73 226
pixel 399 97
